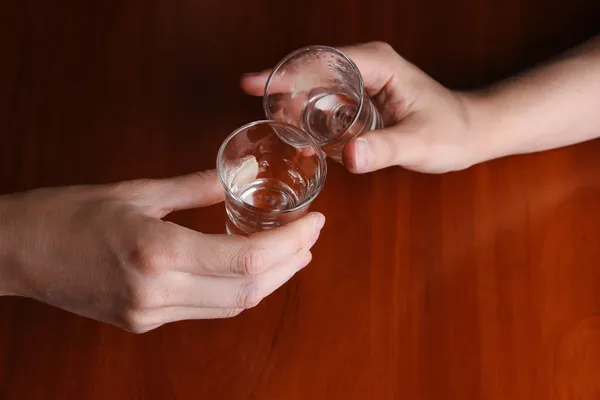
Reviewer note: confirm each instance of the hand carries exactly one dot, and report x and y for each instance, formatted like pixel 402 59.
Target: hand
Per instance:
pixel 105 253
pixel 428 127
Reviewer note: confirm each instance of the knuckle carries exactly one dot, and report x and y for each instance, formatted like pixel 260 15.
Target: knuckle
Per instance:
pixel 132 320
pixel 249 295
pixel 388 152
pixel 150 255
pixel 145 259
pixel 305 260
pixel 231 312
pixel 251 261
pixel 383 47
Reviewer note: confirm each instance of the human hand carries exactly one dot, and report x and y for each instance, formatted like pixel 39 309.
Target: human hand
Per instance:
pixel 105 253
pixel 428 127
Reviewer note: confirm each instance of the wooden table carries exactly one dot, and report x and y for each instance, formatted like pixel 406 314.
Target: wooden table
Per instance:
pixel 483 284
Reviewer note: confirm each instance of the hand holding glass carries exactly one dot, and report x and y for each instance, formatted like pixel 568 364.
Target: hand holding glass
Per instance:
pixel 321 91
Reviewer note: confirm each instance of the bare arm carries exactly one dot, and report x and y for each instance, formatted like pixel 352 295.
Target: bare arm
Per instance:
pixel 552 106
pixel 432 129
pixel 105 252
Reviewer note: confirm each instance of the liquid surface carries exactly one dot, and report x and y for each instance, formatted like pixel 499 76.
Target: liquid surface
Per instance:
pixel 269 194
pixel 278 181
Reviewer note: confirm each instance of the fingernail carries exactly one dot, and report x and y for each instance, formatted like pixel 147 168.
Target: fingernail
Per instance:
pixel 361 154
pixel 319 223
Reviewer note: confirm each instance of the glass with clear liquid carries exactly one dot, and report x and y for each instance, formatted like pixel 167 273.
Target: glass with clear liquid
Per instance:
pixel 271 172
pixel 321 91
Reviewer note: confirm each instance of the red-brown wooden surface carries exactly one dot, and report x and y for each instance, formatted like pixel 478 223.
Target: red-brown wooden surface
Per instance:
pixel 482 284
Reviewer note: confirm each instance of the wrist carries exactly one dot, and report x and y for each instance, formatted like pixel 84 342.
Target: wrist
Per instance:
pixel 485 139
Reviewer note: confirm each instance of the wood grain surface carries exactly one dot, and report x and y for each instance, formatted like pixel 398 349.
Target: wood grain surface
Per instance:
pixel 482 284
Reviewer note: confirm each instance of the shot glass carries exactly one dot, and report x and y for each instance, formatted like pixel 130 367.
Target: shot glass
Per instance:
pixel 271 172
pixel 320 90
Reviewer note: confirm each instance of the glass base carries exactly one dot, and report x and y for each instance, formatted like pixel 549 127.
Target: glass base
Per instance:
pixel 372 121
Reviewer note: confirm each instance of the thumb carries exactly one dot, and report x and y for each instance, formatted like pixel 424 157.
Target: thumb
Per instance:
pixel 383 148
pixel 198 189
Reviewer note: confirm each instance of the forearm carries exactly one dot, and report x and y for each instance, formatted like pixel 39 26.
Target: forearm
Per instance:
pixel 552 106
pixel 7 258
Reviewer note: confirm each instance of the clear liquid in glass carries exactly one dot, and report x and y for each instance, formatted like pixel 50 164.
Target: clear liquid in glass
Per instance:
pixel 267 196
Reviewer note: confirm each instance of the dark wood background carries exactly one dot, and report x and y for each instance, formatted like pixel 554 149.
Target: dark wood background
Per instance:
pixel 483 284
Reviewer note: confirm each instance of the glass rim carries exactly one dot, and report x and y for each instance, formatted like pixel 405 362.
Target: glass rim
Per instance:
pixel 322 165
pixel 307 49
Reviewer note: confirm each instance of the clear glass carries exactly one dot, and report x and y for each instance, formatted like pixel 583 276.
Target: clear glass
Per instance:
pixel 271 172
pixel 321 91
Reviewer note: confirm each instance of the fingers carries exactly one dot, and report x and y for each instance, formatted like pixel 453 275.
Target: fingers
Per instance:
pixel 198 189
pixel 159 197
pixel 232 292
pixel 240 256
pixel 254 83
pixel 174 268
pixel 246 171
pixel 383 148
pixel 173 314
pixel 170 247
pixel 146 320
pixel 377 62
pixel 191 297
